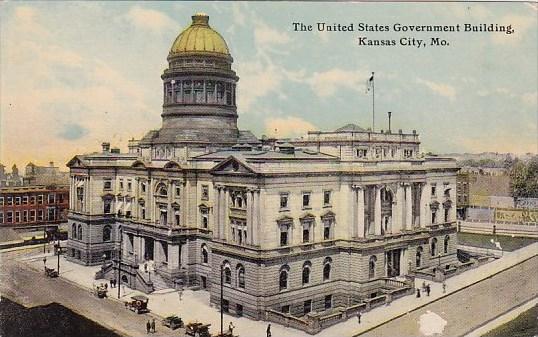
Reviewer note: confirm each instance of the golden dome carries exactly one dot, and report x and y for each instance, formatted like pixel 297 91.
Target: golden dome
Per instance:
pixel 199 37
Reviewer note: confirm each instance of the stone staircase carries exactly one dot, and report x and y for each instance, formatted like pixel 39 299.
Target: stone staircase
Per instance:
pixel 159 283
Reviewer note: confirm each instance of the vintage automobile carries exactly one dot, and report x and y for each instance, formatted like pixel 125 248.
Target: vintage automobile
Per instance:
pixel 100 291
pixel 138 304
pixel 50 272
pixel 198 329
pixel 173 322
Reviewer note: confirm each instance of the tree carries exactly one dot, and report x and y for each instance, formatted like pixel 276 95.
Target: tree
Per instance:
pixel 524 178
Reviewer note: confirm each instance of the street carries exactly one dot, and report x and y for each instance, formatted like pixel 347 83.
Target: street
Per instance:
pixel 467 309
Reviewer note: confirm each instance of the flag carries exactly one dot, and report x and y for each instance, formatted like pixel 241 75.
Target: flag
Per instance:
pixel 370 83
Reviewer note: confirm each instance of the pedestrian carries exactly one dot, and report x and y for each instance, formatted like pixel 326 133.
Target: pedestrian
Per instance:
pixel 359 317
pixel 111 283
pixel 106 286
pixel 418 293
pixel 444 287
pixel 423 285
pixel 268 330
pixel 428 289
pixel 148 325
pixel 180 293
pixel 146 267
pixel 115 283
pixel 231 328
pixel 153 325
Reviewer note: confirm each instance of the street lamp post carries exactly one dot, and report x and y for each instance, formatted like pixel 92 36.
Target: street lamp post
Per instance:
pixel 45 262
pixel 119 265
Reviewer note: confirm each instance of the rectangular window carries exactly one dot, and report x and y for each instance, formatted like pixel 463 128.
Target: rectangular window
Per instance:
pixel 307 306
pixel 40 199
pixel 25 216
pixel 204 214
pixel 143 187
pixel 178 191
pixel 446 214
pixel 32 200
pixel 9 201
pixel 9 217
pixel 326 198
pixel 205 192
pixel 283 235
pixel 434 217
pixel 40 215
pixel 327 229
pixel 32 215
pixel 306 200
pixel 328 301
pixel 362 153
pixel 107 184
pixel 17 216
pixel 285 309
pixel 25 200
pixel 306 233
pixel 1 201
pixel 17 200
pixel 433 190
pixel 1 218
pixel 51 198
pixel 129 185
pixel 283 200
pixel 121 184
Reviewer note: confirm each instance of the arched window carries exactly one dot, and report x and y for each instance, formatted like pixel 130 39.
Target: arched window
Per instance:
pixel 240 276
pixel 327 269
pixel 74 231
pixel 107 233
pixel 227 274
pixel 205 255
pixel 283 278
pixel 79 232
pixel 371 266
pixel 433 246
pixel 162 191
pixel 447 239
pixel 306 272
pixel 418 258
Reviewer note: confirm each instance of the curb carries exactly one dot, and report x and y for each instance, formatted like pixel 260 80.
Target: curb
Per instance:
pixel 443 296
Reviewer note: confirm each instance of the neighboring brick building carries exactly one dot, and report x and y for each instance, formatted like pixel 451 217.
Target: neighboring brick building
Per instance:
pixel 33 206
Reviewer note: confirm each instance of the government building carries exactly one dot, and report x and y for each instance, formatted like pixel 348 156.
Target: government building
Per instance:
pixel 331 222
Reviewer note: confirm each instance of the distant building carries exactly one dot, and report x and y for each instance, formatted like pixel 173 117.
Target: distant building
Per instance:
pixel 44 175
pixel 10 179
pixel 33 206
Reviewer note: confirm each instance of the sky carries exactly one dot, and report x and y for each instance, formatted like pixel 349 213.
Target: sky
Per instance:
pixel 75 74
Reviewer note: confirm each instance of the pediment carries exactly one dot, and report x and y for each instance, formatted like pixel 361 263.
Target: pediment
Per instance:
pixel 284 219
pixel 138 164
pixel 232 165
pixel 172 165
pixel 76 161
pixel 328 214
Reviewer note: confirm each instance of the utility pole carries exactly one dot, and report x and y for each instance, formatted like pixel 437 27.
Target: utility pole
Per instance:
pixel 221 299
pixel 119 264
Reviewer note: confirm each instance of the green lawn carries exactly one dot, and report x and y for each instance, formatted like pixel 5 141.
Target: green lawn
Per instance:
pixel 524 325
pixel 508 243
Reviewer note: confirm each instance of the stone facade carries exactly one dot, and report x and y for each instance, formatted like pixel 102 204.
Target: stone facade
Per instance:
pixel 327 221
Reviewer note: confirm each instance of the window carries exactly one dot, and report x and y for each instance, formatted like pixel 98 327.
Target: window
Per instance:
pixel 51 198
pixel 328 301
pixel 447 192
pixel 434 217
pixel 447 213
pixel 107 185
pixel 40 199
pixel 307 227
pixel 32 215
pixel 204 217
pixel 121 184
pixel 408 153
pixel 79 232
pixel 32 199
pixel 51 213
pixel 306 273
pixel 284 201
pixel 17 216
pixel 326 198
pixel 327 269
pixel 227 275
pixel 284 229
pixel 1 217
pixel 241 276
pixel 362 153
pixel 162 191
pixel 447 239
pixel 25 200
pixel 9 201
pixel 205 255
pixel 433 190
pixel 74 231
pixel 178 191
pixel 129 185
pixel 25 216
pixel 17 200
pixel 1 201
pixel 418 257
pixel 306 200
pixel 107 205
pixel 40 215
pixel 177 218
pixel 107 233
pixel 285 309
pixel 307 306
pixel 205 192
pixel 143 187
pixel 433 247
pixel 9 217
pixel 283 278
pixel 327 229
pixel 371 266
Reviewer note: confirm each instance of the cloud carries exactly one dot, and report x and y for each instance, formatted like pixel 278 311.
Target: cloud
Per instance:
pixel 72 131
pixel 327 83
pixel 521 24
pixel 150 19
pixel 441 89
pixel 288 127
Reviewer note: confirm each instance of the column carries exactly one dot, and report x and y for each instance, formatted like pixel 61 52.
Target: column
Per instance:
pixel 408 206
pixel 257 218
pixel 170 215
pixel 360 212
pixel 222 235
pixel 354 206
pixel 225 226
pixel 377 211
pixel 249 216
pixel 136 248
pixel 173 256
pixel 397 217
pixel 424 206
pixel 216 196
pixel 404 261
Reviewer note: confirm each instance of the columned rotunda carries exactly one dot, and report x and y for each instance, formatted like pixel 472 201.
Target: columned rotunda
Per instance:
pixel 332 223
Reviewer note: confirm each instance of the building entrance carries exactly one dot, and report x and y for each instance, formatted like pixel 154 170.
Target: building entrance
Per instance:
pixel 393 262
pixel 148 248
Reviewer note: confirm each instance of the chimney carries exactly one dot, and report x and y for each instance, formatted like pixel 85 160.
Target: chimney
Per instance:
pixel 115 150
pixel 106 147
pixel 51 163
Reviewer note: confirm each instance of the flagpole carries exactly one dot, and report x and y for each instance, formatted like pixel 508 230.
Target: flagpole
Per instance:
pixel 373 102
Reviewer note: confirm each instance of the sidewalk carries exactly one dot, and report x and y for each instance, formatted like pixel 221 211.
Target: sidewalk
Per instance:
pixel 194 305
